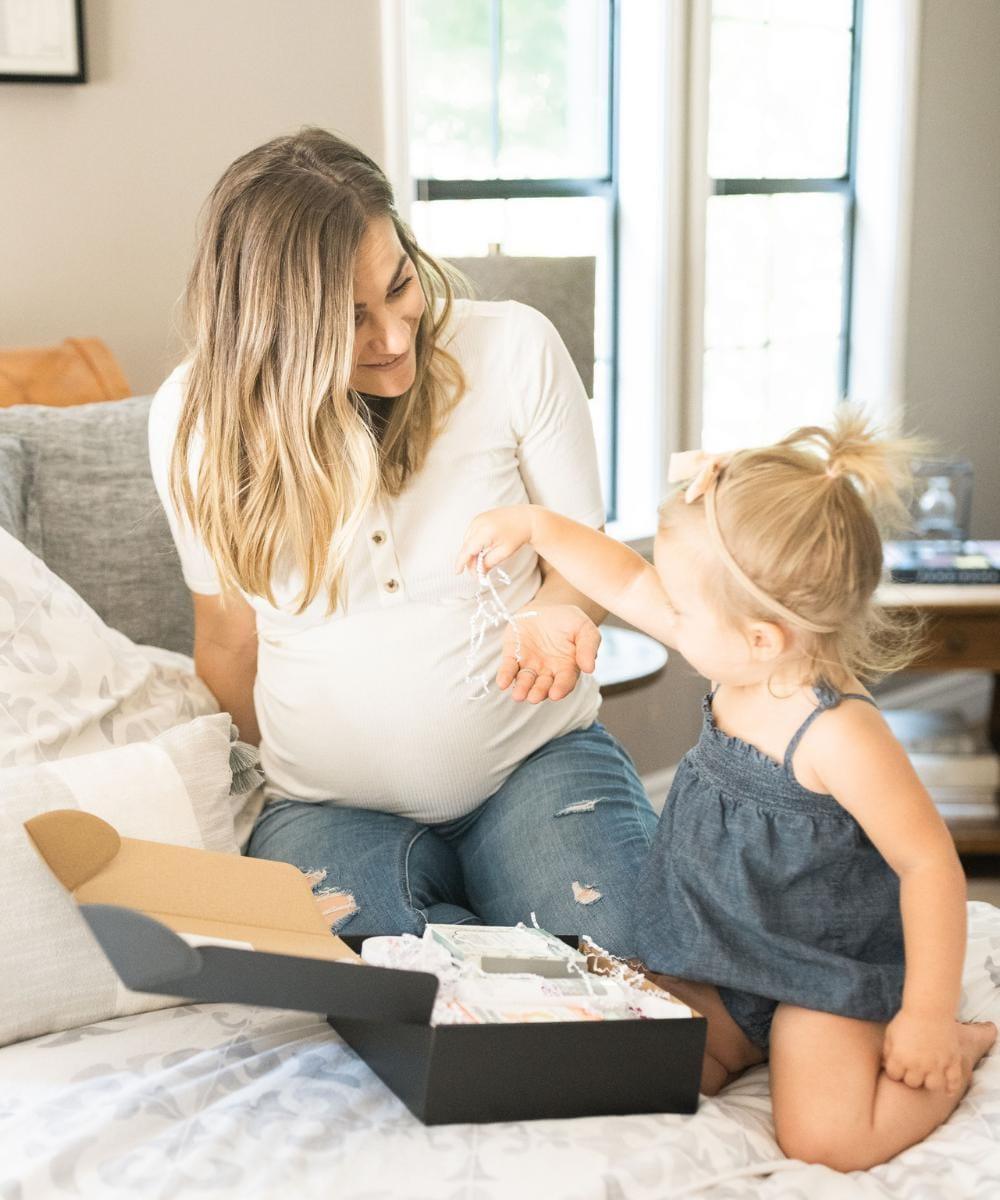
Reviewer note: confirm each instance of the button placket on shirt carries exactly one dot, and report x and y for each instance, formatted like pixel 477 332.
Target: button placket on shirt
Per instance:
pixel 382 553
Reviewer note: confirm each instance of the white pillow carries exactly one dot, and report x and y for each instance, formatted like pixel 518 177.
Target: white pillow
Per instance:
pixel 174 789
pixel 982 964
pixel 70 685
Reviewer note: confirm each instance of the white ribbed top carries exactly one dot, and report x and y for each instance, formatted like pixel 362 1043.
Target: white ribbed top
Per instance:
pixel 369 706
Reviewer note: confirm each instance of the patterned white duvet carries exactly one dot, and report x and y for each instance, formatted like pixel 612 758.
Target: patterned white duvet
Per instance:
pixel 226 1100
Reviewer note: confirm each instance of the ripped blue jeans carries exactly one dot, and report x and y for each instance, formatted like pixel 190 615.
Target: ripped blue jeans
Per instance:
pixel 563 838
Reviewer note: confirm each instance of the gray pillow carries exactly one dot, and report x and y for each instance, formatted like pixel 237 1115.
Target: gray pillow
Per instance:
pixel 15 475
pixel 95 519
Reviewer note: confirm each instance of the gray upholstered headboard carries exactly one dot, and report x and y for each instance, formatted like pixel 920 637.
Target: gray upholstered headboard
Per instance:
pixel 561 288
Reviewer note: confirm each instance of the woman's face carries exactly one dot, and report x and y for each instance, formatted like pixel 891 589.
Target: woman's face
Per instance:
pixel 388 303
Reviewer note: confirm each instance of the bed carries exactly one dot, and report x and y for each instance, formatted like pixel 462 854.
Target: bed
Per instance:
pixel 216 1100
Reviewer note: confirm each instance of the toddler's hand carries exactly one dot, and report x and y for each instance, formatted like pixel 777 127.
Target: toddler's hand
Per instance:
pixel 501 532
pixel 923 1052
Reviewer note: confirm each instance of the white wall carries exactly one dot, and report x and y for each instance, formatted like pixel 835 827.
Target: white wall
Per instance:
pixel 102 183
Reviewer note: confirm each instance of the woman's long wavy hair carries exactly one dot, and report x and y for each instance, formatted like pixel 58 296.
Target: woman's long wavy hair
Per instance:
pixel 289 461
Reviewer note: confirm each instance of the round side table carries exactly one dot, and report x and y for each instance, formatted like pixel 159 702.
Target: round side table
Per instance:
pixel 627 659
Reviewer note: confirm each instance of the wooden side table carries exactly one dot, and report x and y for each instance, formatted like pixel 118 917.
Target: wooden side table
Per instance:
pixel 963 634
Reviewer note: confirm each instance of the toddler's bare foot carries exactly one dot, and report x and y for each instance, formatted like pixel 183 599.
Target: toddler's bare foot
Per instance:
pixel 975 1039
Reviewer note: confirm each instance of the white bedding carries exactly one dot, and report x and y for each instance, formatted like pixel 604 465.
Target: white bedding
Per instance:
pixel 226 1100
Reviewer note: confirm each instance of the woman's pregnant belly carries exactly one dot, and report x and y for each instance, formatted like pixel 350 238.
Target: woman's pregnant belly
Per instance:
pixel 374 711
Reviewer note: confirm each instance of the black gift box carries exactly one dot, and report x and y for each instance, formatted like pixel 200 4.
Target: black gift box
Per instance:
pixel 252 934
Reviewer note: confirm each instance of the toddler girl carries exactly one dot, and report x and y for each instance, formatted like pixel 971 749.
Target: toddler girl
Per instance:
pixel 798 853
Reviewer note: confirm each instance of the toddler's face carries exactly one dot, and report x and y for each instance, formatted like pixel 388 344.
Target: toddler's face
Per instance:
pixel 718 648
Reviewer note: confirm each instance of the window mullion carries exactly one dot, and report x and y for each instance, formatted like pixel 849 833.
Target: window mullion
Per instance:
pixel 511 189
pixel 496 45
pixel 769 187
pixel 851 214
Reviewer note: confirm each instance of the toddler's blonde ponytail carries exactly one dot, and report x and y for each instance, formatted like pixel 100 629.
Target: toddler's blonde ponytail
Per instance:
pixel 855 450
pixel 803 520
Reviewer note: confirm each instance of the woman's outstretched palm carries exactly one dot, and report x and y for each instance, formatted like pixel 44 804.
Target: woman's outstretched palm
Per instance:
pixel 544 655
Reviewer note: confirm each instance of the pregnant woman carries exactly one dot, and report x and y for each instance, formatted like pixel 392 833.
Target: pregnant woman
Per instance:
pixel 339 420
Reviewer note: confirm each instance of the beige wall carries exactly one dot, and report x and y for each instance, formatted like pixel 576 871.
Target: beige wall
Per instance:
pixel 952 366
pixel 102 183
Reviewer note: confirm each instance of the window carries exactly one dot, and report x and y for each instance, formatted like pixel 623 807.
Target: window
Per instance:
pixel 704 151
pixel 780 215
pixel 511 109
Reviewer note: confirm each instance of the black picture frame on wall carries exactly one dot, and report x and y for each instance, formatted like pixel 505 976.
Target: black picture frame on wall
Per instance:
pixel 42 42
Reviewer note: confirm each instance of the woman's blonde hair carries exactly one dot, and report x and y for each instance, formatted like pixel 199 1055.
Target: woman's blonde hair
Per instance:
pixel 802 523
pixel 288 458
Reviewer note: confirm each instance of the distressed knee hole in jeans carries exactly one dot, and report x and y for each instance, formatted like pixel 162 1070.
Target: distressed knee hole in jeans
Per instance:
pixel 586 893
pixel 581 806
pixel 335 905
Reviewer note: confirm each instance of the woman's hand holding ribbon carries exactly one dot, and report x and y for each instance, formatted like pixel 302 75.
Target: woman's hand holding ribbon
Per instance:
pixel 544 649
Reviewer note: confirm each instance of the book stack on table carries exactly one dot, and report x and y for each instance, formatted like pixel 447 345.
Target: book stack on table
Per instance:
pixel 943 562
pixel 953 758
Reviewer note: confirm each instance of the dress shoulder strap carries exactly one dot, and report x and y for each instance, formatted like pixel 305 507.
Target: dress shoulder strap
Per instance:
pixel 828 698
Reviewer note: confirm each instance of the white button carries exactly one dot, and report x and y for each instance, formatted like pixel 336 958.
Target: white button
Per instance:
pixel 378 537
pixel 391 585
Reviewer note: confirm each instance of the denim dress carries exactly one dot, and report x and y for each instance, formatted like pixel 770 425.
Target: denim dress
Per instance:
pixel 769 891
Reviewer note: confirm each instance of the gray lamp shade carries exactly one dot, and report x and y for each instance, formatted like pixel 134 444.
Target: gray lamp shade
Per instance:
pixel 561 288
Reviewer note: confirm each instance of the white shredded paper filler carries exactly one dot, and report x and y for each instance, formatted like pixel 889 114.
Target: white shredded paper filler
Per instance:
pixel 490 613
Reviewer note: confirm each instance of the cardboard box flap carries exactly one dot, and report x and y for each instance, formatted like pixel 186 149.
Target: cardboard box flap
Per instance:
pixel 149 957
pixel 76 845
pixel 142 899
pixel 174 883
pixel 268 904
